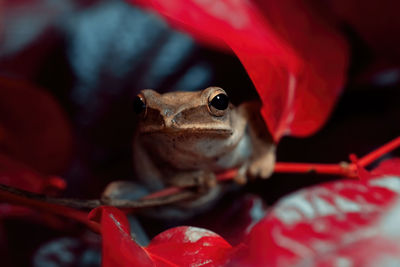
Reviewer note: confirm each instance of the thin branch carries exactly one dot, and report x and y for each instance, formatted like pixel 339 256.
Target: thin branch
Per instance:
pixel 163 197
pixel 344 168
pixel 379 152
pixel 17 197
pixel 73 203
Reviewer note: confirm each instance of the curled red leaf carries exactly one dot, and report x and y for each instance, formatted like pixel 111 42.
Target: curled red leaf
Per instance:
pixel 327 221
pixel 296 62
pixel 179 246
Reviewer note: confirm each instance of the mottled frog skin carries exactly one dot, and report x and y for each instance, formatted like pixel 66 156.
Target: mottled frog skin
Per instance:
pixel 185 138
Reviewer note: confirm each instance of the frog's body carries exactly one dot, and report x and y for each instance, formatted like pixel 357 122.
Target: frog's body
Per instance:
pixel 185 138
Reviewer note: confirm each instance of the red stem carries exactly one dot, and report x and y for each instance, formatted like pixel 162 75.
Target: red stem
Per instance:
pixel 333 169
pixel 344 169
pixel 377 153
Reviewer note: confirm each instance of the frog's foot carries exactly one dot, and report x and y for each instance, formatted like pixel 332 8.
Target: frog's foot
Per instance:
pixel 124 190
pixel 201 179
pixel 262 166
pixel 241 175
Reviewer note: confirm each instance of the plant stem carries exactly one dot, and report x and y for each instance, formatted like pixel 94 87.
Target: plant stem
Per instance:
pixel 377 153
pixel 56 209
pixel 346 169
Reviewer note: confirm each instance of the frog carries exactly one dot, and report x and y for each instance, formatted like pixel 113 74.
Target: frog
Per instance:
pixel 185 139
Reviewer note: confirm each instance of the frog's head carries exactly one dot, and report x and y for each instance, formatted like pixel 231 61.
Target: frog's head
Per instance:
pixel 207 112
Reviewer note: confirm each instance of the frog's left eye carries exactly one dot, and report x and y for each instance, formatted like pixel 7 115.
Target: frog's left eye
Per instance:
pixel 218 103
pixel 139 104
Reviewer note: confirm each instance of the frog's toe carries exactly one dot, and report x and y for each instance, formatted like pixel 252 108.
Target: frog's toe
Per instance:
pixel 240 179
pixel 266 172
pixel 262 167
pixel 207 180
pixel 258 170
pixel 203 180
pixel 241 176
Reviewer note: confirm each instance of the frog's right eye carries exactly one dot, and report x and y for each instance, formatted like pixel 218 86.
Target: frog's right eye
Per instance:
pixel 139 104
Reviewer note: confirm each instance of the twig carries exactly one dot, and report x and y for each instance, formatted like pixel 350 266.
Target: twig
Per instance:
pixel 73 203
pixel 68 208
pixel 346 169
pixel 17 197
pixel 163 197
pixel 377 153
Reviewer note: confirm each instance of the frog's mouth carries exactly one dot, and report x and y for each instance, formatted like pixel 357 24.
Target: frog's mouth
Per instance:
pixel 219 131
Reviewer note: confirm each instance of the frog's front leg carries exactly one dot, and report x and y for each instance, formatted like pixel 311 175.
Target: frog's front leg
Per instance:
pixel 262 165
pixel 201 179
pixel 262 161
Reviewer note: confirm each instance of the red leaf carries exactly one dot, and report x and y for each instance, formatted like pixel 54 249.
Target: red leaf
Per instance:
pixel 33 128
pixel 386 168
pixel 189 246
pixel 180 246
pixel 118 247
pixel 296 62
pixel 314 222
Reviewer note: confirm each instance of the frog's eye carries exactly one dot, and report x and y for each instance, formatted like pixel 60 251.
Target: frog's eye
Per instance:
pixel 218 103
pixel 139 104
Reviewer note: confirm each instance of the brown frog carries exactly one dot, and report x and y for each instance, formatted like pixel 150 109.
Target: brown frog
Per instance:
pixel 185 138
